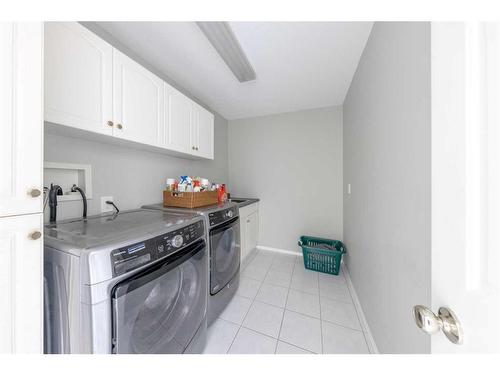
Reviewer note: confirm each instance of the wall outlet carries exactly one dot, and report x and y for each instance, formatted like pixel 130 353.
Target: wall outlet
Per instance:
pixel 106 207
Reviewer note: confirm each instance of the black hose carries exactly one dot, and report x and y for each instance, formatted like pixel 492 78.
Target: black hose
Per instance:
pixel 84 199
pixel 53 193
pixel 114 205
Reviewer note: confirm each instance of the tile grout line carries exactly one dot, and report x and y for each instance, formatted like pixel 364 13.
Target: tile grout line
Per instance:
pixel 357 314
pixel 284 310
pixel 253 300
pixel 289 289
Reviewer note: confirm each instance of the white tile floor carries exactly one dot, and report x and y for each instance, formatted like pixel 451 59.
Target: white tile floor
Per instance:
pixel 280 307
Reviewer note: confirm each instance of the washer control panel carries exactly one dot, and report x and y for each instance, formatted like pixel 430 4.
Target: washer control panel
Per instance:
pixel 173 241
pixel 219 217
pixel 134 256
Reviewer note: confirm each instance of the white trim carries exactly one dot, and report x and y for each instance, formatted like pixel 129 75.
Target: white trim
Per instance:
pixel 267 248
pixel 372 346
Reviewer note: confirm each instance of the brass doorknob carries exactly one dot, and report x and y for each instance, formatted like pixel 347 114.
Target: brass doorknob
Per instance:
pixel 35 235
pixel 34 193
pixel 445 321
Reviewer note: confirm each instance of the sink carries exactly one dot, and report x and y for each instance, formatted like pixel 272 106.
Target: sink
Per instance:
pixel 238 200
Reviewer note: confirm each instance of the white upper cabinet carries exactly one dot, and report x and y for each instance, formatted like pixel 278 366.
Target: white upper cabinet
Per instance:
pixel 204 135
pixel 178 120
pixel 138 102
pixel 78 77
pixel 21 118
pixel 91 86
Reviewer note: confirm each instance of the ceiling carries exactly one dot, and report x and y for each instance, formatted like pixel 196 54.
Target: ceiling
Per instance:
pixel 299 65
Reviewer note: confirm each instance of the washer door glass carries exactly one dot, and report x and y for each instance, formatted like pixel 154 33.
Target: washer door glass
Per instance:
pixel 160 309
pixel 224 254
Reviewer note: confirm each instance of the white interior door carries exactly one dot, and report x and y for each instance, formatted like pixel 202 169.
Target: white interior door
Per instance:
pixel 21 118
pixel 138 102
pixel 78 77
pixel 465 182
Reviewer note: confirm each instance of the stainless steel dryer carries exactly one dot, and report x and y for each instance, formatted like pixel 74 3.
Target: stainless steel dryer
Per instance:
pixel 223 225
pixel 133 282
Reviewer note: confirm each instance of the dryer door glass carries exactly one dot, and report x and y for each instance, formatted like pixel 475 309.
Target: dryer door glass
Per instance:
pixel 224 254
pixel 160 309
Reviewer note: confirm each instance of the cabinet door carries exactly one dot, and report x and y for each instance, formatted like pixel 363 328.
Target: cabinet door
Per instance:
pixel 21 275
pixel 179 120
pixel 78 77
pixel 138 102
pixel 204 133
pixel 252 231
pixel 21 121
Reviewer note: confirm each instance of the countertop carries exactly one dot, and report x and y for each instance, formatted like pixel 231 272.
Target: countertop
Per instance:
pixel 247 201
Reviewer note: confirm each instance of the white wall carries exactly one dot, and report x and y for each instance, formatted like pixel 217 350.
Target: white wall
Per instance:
pixel 387 151
pixel 293 163
pixel 132 177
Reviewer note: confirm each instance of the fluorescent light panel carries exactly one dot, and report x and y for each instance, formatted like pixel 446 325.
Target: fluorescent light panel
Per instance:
pixel 225 43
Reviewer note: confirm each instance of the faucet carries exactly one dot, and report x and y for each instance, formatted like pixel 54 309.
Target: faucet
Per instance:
pixel 54 191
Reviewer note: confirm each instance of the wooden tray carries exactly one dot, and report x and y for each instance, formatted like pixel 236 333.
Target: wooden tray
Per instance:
pixel 189 200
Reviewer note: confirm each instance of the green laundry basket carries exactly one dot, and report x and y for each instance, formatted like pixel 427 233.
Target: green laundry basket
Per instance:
pixel 322 254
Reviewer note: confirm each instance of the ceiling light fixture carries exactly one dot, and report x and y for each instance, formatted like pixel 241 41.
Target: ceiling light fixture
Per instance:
pixel 225 43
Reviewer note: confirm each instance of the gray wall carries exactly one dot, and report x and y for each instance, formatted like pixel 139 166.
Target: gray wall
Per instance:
pixel 387 222
pixel 131 176
pixel 293 163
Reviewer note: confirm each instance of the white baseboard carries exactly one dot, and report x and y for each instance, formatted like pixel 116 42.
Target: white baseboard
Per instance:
pixel 372 346
pixel 283 251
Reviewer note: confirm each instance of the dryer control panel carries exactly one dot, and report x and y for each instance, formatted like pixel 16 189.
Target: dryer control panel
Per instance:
pixel 131 257
pixel 222 216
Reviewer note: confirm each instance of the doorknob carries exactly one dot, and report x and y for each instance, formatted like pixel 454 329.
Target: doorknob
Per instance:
pixel 35 193
pixel 445 321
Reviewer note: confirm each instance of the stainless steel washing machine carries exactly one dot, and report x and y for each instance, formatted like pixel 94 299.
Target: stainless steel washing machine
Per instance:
pixel 223 225
pixel 133 282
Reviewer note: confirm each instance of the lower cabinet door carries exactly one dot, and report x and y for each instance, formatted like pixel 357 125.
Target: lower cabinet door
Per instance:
pixel 252 231
pixel 21 275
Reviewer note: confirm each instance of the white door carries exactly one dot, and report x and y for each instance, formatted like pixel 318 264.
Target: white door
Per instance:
pixel 178 120
pixel 21 125
pixel 78 78
pixel 205 133
pixel 21 273
pixel 465 182
pixel 138 102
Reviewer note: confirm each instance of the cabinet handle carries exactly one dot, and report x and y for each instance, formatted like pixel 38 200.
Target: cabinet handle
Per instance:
pixel 35 235
pixel 248 220
pixel 119 126
pixel 196 148
pixel 192 147
pixel 110 123
pixel 34 193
